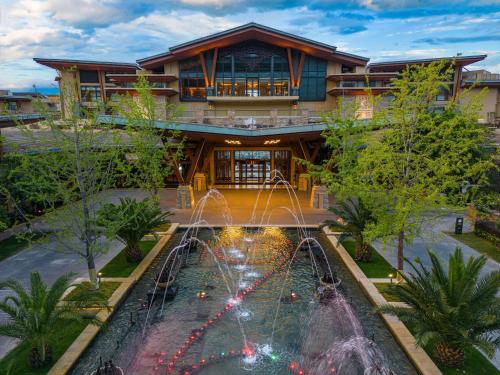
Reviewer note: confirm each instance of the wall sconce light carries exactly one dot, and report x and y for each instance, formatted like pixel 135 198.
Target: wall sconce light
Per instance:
pixel 272 141
pixel 295 104
pixel 211 106
pixel 232 142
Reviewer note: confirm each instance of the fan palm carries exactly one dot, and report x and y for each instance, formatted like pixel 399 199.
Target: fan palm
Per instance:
pixel 34 314
pixel 355 217
pixel 450 311
pixel 129 221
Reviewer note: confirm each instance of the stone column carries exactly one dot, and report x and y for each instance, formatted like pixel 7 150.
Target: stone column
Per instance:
pixel 199 116
pixel 274 117
pixel 231 115
pixel 185 196
pixel 304 181
pixel 305 116
pixel 200 181
pixel 319 197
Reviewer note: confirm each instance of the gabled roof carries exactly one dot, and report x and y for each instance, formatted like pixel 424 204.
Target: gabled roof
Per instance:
pixel 251 31
pixel 87 64
pixel 396 65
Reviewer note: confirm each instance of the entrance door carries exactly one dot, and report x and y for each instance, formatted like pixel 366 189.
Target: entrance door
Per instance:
pixel 251 171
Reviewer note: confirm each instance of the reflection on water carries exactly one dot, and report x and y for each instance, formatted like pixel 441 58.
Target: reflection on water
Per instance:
pixel 260 318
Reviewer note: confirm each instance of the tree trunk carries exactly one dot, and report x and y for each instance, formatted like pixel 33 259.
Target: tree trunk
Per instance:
pixel 363 251
pixel 449 356
pixel 133 253
pixel 94 280
pixel 401 260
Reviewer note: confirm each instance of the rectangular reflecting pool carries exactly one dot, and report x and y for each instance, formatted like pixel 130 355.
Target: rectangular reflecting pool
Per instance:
pixel 247 301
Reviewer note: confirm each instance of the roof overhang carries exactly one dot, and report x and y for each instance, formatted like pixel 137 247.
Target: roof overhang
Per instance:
pixel 251 31
pixel 225 131
pixel 391 66
pixel 107 66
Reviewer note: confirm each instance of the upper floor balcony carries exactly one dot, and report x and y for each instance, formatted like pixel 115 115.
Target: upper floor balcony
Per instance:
pixel 251 119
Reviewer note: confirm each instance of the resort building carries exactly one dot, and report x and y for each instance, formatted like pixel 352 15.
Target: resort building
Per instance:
pixel 252 97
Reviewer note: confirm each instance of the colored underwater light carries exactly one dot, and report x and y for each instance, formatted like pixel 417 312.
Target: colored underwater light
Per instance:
pixel 202 294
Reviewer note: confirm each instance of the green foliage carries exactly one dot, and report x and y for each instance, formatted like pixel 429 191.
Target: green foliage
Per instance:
pixel 488 245
pixel 70 163
pixel 354 218
pixel 34 314
pixel 421 156
pixel 119 266
pixel 153 154
pixel 455 309
pixel 130 221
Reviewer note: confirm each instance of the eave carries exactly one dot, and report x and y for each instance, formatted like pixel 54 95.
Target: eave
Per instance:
pixel 251 31
pixel 107 66
pixel 348 91
pixel 361 76
pixel 392 66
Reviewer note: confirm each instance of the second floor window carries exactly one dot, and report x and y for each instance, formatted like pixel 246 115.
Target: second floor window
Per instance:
pixel 90 93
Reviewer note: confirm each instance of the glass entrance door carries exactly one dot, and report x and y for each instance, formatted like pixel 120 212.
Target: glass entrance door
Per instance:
pixel 252 167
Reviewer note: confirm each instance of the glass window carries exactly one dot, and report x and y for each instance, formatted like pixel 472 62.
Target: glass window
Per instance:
pixel 281 87
pixel 90 93
pixel 264 87
pixel 193 89
pixel 11 106
pixel 224 87
pixel 442 95
pixel 313 82
pixel 89 76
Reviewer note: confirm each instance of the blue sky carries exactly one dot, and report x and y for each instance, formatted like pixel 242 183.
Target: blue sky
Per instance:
pixel 115 30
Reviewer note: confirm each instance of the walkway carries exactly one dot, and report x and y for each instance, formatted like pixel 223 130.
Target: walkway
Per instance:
pixel 434 237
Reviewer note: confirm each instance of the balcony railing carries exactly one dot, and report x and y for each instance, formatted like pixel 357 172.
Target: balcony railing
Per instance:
pixel 250 119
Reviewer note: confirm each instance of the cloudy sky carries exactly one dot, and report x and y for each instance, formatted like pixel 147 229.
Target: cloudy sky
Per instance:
pixel 116 30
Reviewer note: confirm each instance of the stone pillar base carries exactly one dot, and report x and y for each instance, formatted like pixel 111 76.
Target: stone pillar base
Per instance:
pixel 319 197
pixel 200 181
pixel 304 181
pixel 185 196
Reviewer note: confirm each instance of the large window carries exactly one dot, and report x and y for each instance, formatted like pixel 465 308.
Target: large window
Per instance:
pixel 193 89
pixel 252 69
pixel 192 82
pixel 313 81
pixel 90 93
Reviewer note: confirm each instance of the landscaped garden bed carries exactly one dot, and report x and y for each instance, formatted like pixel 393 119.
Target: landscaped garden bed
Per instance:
pixel 62 337
pixel 378 267
pixel 120 267
pixel 480 244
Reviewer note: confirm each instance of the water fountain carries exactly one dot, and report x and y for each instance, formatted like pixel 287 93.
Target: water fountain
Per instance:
pixel 252 299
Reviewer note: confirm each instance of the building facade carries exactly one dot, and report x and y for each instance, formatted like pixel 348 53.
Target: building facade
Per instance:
pixel 252 97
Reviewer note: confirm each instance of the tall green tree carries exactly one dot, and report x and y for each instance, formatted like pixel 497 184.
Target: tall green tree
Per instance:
pixel 66 166
pixel 154 152
pixel 420 155
pixel 451 310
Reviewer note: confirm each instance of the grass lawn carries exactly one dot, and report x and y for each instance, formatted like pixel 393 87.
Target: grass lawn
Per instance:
pixel 382 288
pixel 377 268
pixel 119 267
pixel 106 289
pixel 13 245
pixel 60 340
pixel 480 244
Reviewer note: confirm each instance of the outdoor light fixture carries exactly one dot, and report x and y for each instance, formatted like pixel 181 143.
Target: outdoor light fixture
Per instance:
pixel 100 276
pixel 202 294
pixel 391 276
pixel 272 141
pixel 232 142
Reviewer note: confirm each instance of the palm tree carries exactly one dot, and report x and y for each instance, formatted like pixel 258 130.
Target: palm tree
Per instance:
pixel 130 221
pixel 355 217
pixel 33 315
pixel 450 311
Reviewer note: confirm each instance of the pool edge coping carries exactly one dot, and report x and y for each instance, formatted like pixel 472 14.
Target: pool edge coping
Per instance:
pixel 419 358
pixel 67 361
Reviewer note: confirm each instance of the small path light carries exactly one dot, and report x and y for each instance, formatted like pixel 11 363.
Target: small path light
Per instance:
pixel 390 276
pixel 99 275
